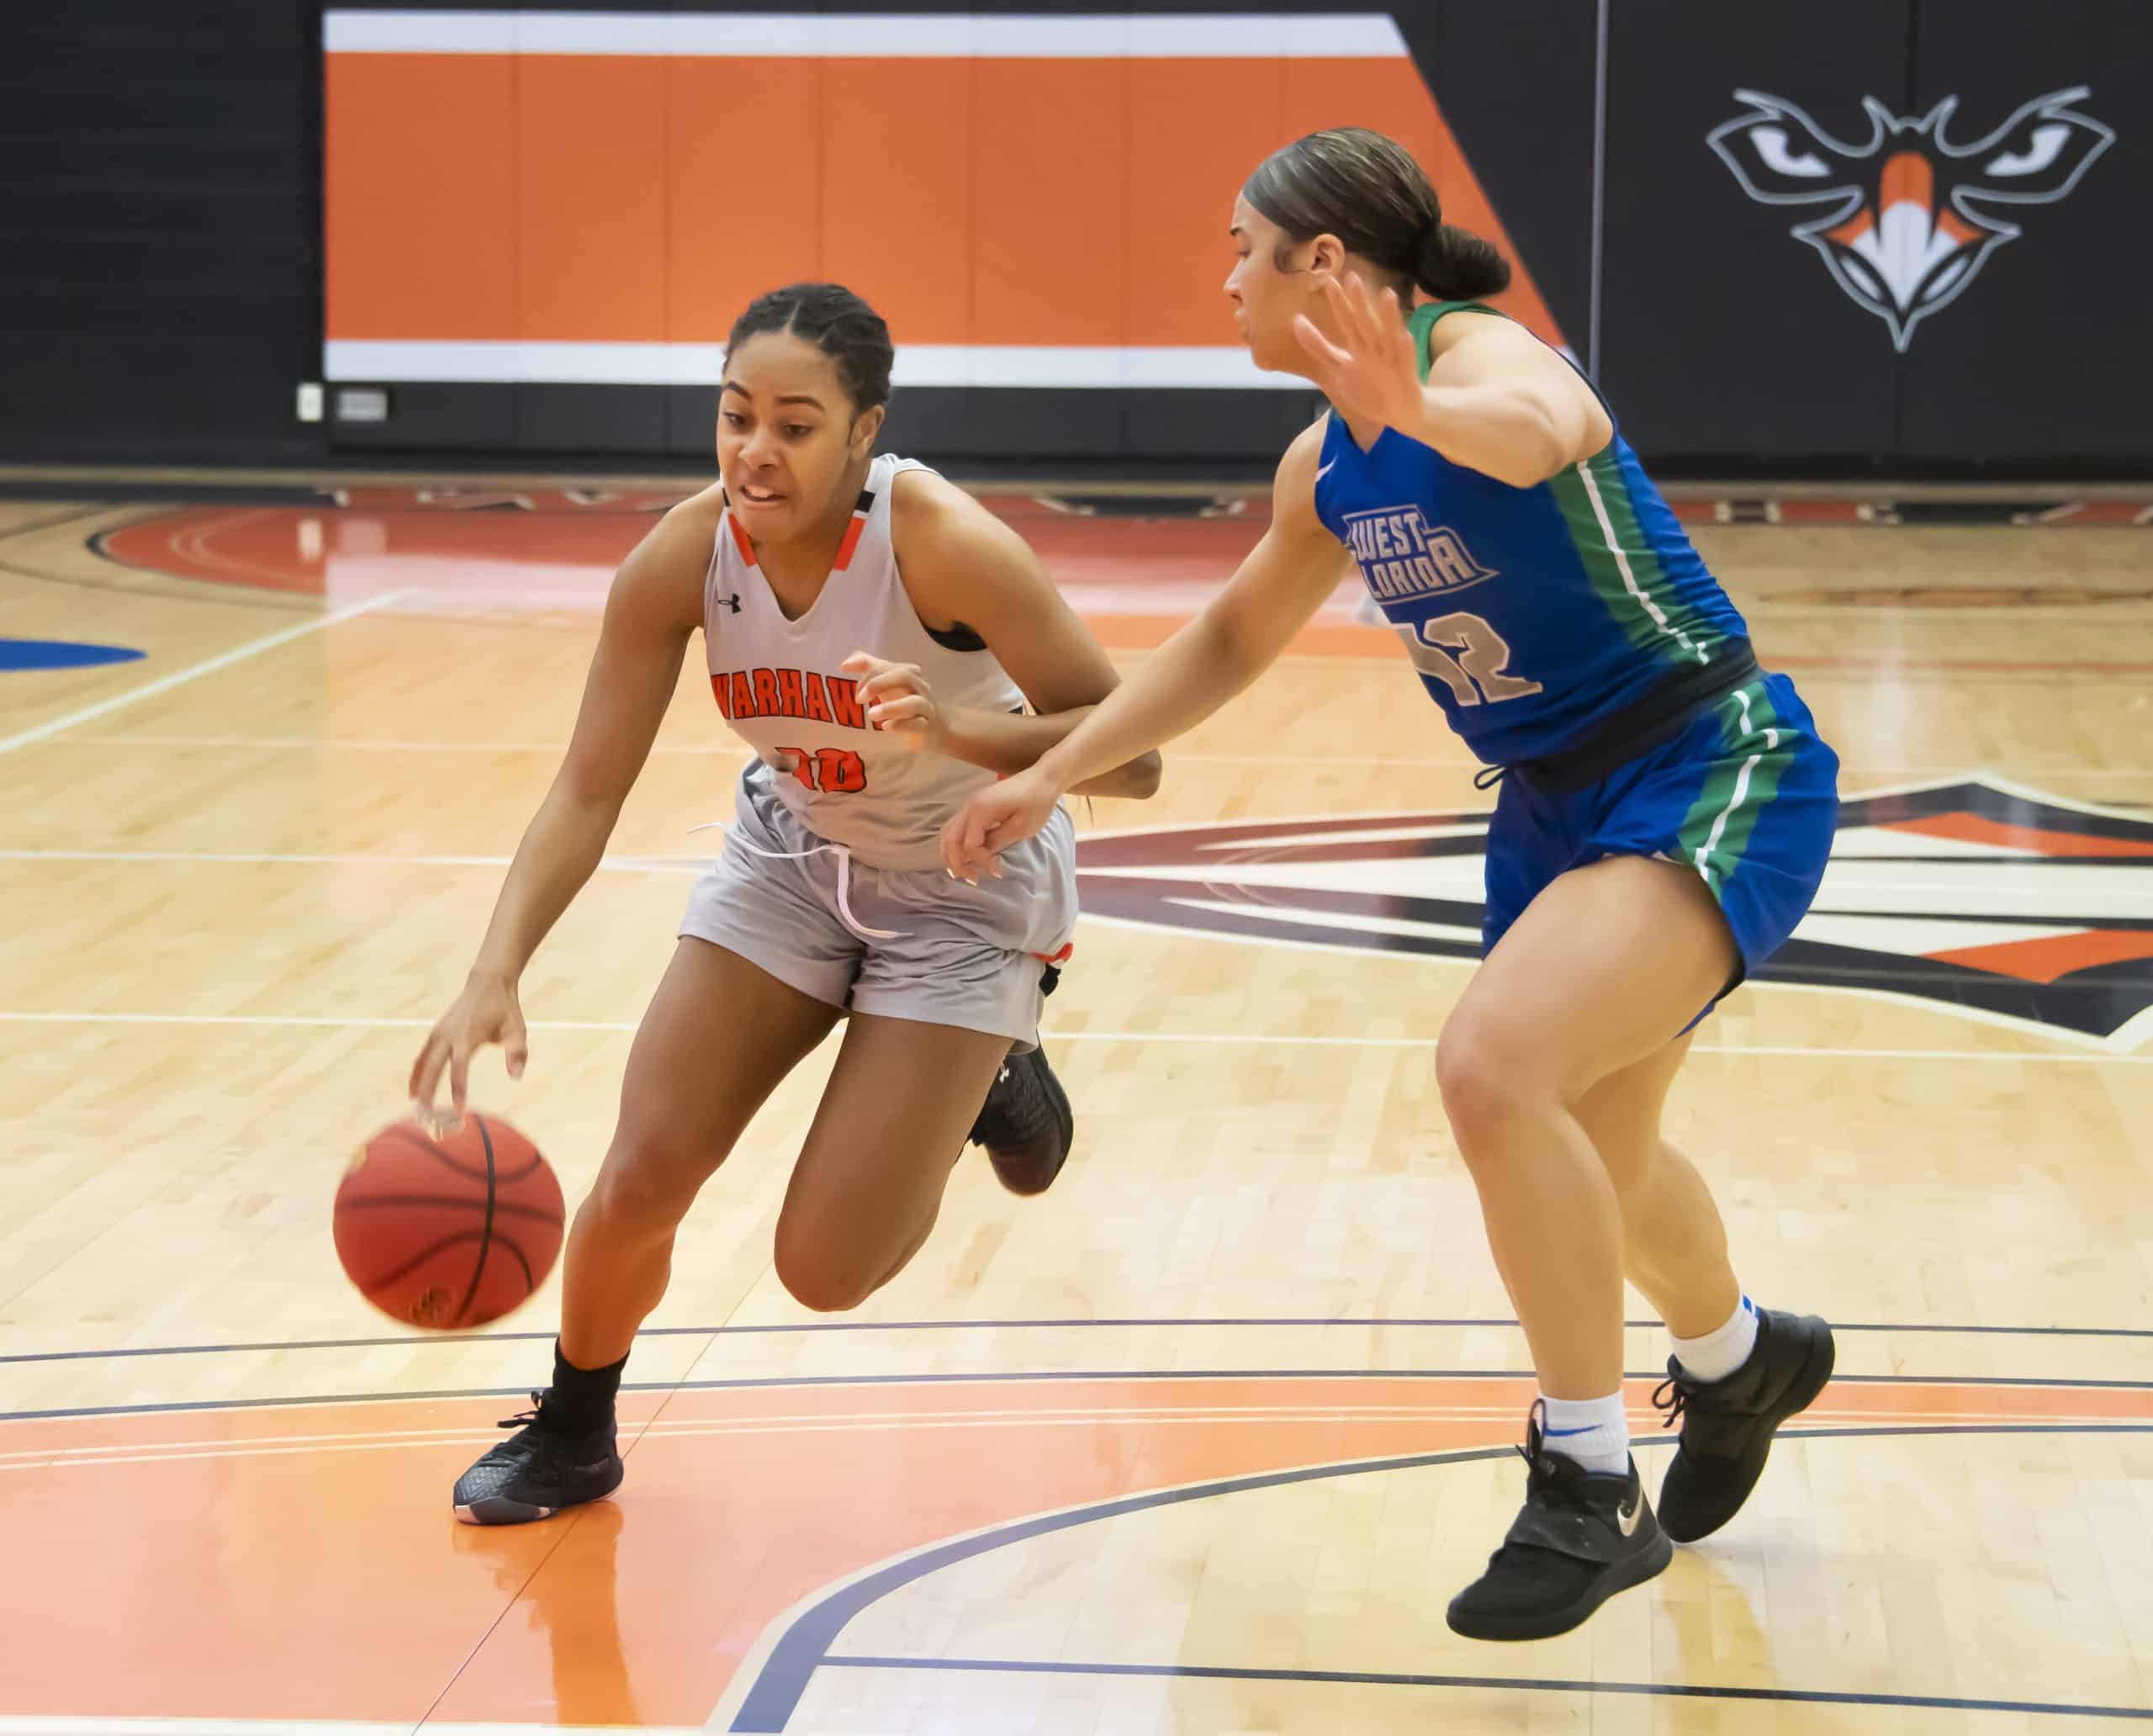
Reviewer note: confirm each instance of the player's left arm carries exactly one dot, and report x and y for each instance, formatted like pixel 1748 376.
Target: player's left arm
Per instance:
pixel 961 565
pixel 1499 401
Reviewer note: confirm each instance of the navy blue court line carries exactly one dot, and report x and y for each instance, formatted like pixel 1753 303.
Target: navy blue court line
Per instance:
pixel 1368 1678
pixel 408 1340
pixel 45 654
pixel 747 1382
pixel 804 1647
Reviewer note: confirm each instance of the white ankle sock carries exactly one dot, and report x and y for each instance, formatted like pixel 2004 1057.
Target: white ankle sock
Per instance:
pixel 1594 1433
pixel 1719 1353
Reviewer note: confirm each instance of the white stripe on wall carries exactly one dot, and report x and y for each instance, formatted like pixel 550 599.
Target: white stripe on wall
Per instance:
pixel 418 31
pixel 686 364
pixel 1108 36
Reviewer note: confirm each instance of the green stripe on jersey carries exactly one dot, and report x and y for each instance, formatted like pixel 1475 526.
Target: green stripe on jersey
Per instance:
pixel 1611 542
pixel 1624 606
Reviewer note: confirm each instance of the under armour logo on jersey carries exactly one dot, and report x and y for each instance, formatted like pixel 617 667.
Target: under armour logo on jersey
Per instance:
pixel 1402 555
pixel 730 602
pixel 1902 234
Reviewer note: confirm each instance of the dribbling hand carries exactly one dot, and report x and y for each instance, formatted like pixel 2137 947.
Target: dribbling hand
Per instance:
pixel 486 1012
pixel 1370 373
pixel 1003 814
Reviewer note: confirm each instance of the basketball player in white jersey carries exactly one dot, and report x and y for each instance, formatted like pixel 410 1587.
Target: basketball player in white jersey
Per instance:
pixel 874 634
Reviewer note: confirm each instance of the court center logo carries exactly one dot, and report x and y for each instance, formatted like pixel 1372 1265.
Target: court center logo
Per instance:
pixel 1997 903
pixel 1907 221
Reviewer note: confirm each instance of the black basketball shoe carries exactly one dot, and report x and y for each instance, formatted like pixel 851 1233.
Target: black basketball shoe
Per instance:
pixel 1581 1537
pixel 539 1469
pixel 1025 1124
pixel 1727 1425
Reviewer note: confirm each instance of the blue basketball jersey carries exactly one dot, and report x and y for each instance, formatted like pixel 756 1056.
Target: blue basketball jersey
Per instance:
pixel 1534 614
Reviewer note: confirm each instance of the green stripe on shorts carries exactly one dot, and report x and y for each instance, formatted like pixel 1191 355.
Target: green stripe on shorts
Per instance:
pixel 1755 746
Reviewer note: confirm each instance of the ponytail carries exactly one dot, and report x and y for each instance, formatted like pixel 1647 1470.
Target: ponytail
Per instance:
pixel 1454 264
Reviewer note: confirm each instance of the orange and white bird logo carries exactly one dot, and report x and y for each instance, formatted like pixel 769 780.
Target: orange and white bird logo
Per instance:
pixel 1906 229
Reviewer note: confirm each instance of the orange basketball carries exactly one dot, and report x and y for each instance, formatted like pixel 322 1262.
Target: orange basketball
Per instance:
pixel 445 1229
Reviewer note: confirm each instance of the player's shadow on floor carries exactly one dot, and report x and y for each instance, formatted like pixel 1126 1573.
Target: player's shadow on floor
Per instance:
pixel 1709 1610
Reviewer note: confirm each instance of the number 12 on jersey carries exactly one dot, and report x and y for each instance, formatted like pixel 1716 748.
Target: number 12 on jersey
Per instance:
pixel 1467 655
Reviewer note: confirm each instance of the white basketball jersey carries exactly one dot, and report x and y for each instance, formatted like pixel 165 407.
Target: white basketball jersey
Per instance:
pixel 779 683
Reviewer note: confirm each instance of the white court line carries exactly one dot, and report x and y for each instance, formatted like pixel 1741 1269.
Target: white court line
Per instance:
pixel 729 750
pixel 1224 1039
pixel 396 744
pixel 165 684
pixel 349 859
pixel 1502 1416
pixel 816 1419
pixel 1472 825
pixel 22 1725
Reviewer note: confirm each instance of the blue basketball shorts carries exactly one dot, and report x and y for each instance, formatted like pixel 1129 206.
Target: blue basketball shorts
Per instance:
pixel 1747 796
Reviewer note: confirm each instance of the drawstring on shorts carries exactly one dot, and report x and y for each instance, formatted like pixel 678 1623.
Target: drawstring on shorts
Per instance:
pixel 844 877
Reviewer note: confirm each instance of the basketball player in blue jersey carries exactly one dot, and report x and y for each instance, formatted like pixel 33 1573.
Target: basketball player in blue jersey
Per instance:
pixel 1664 815
pixel 886 645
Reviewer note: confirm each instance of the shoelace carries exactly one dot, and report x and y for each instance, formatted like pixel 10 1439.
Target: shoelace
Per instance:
pixel 1535 1436
pixel 1672 1396
pixel 526 1418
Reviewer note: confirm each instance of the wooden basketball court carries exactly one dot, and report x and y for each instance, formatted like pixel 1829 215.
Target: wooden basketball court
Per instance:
pixel 1203 1439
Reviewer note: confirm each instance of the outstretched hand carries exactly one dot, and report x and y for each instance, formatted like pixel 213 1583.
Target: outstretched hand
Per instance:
pixel 1369 372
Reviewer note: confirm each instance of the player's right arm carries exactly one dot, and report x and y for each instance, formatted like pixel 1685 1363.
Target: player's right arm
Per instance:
pixel 654 606
pixel 1285 579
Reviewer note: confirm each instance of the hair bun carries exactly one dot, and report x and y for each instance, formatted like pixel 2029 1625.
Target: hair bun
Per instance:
pixel 1456 265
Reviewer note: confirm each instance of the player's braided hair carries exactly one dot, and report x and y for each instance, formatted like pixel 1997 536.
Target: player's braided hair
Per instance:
pixel 837 323
pixel 1368 190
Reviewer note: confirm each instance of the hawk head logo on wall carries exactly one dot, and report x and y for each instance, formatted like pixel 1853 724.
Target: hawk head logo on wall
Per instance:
pixel 1902 227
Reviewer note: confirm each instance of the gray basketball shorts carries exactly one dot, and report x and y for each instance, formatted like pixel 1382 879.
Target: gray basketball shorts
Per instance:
pixel 899 944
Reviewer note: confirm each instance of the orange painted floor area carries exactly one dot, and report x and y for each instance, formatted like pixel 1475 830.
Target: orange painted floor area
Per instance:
pixel 319 1536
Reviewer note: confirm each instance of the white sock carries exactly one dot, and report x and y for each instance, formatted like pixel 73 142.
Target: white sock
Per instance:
pixel 1593 1433
pixel 1718 1354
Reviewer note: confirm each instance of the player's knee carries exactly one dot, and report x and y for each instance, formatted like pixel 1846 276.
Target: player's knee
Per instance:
pixel 1488 1079
pixel 647 1185
pixel 828 1280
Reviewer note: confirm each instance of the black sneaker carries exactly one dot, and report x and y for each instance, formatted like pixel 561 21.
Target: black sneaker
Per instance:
pixel 1727 1425
pixel 538 1470
pixel 1025 1124
pixel 1581 1537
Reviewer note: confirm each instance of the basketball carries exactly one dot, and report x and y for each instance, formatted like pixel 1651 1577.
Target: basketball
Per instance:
pixel 443 1230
